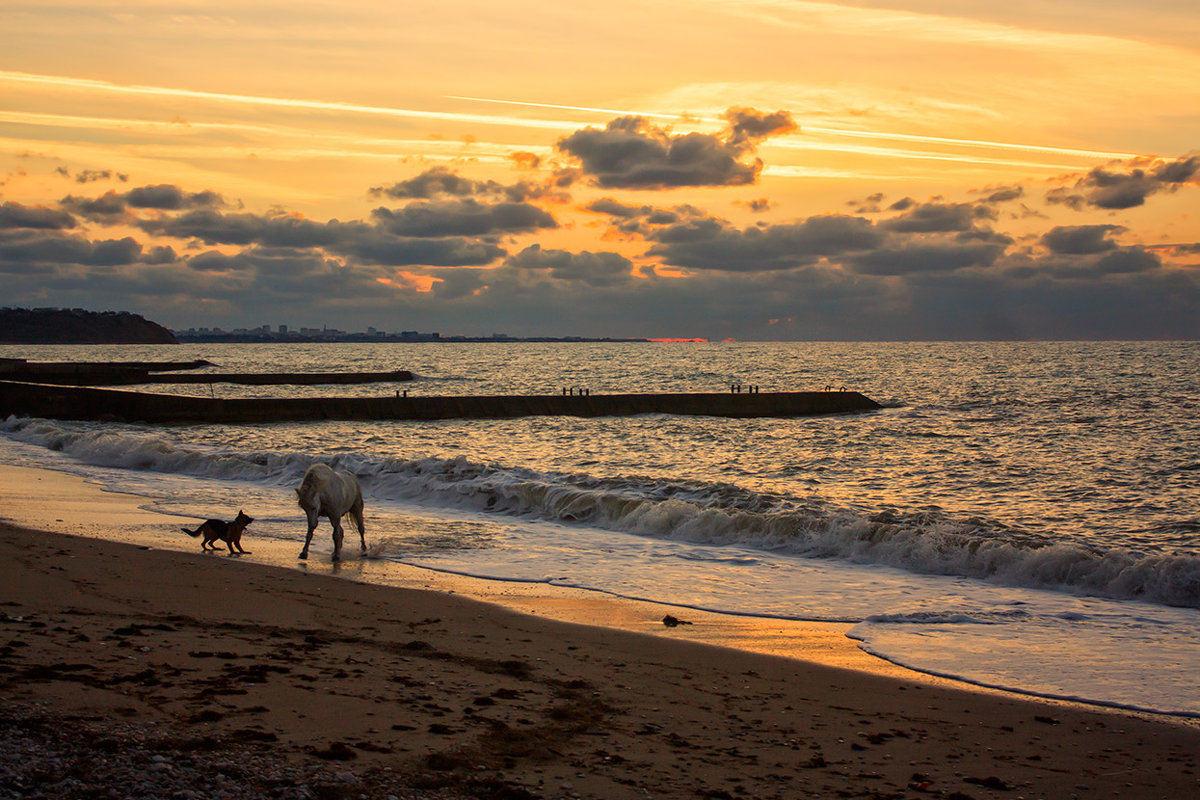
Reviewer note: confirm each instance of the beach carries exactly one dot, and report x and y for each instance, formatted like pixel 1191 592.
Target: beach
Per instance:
pixel 157 673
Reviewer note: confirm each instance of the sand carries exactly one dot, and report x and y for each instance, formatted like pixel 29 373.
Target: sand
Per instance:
pixel 273 681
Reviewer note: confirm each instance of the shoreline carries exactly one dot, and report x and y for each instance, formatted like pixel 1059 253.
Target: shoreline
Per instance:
pixel 53 501
pixel 291 684
pixel 67 503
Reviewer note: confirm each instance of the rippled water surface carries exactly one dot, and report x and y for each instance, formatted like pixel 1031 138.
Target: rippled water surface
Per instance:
pixel 1071 469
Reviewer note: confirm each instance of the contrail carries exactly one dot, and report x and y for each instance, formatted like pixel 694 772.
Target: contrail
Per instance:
pixel 280 102
pixel 184 128
pixel 904 137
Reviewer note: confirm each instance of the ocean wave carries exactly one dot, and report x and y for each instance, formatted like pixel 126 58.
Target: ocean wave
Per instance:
pixel 925 541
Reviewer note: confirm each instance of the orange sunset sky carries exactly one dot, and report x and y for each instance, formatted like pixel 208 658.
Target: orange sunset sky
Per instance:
pixel 750 169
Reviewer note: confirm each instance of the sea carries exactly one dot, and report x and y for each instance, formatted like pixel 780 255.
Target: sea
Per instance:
pixel 1024 516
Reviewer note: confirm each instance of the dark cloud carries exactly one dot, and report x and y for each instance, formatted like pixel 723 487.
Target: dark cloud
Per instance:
pixel 1002 194
pixel 1129 260
pixel 16 215
pixel 428 219
pixel 1080 239
pixel 108 208
pixel 594 269
pixel 1181 170
pixel 379 247
pixel 641 220
pixel 50 249
pixel 632 153
pixel 712 244
pixel 748 126
pixel 112 207
pixel 92 175
pixel 614 208
pixel 433 182
pixel 441 182
pixel 759 205
pixel 930 270
pixel 171 198
pixel 925 257
pixel 369 243
pixel 1120 189
pixel 903 204
pixel 868 205
pixel 938 217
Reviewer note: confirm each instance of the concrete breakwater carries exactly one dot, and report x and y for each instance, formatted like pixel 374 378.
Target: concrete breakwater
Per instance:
pixel 90 373
pixel 62 402
pixel 126 373
pixel 281 378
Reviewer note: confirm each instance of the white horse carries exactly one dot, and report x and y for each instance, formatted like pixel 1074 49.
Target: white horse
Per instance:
pixel 331 493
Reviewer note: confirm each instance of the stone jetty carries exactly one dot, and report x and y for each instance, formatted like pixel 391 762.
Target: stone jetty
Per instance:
pixel 82 403
pixel 126 373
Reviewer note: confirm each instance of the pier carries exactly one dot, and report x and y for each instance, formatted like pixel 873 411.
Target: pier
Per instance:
pixel 126 373
pixel 85 403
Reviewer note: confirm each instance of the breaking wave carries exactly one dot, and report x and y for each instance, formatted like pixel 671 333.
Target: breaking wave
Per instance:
pixel 920 541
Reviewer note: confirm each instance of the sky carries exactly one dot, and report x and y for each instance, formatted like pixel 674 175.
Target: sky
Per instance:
pixel 722 169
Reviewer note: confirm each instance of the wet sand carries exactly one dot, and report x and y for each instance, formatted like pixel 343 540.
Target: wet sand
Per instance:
pixel 341 688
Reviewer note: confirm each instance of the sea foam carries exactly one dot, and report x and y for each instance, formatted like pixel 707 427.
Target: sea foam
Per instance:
pixel 707 513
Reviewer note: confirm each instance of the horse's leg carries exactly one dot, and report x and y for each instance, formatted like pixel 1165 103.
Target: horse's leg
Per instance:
pixel 312 526
pixel 338 534
pixel 356 512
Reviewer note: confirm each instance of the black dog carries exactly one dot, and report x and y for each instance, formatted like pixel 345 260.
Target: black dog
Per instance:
pixel 228 532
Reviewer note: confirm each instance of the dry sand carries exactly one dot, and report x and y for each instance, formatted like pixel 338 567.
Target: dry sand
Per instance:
pixel 138 672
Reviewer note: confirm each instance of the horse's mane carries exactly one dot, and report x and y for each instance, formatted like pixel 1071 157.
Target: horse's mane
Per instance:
pixel 311 485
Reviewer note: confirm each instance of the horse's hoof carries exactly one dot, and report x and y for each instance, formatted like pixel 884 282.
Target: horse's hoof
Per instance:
pixel 303 556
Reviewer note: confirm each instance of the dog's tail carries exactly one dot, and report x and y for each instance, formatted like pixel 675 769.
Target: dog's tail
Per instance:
pixel 192 533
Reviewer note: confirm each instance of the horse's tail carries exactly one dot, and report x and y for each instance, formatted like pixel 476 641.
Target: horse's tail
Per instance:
pixel 356 514
pixel 192 533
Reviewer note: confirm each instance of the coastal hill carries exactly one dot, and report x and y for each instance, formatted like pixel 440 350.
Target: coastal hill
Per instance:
pixel 77 326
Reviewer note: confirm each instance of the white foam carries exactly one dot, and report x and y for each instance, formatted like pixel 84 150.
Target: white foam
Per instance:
pixel 715 514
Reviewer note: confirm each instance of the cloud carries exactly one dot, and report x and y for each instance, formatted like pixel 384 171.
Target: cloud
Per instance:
pixel 712 244
pixel 938 217
pixel 171 198
pixel 593 269
pixel 747 126
pixel 368 243
pixel 868 205
pixel 109 207
pixel 1116 190
pixel 433 182
pixel 442 182
pixel 1002 194
pixel 925 257
pixel 1128 260
pixel 112 207
pixel 1080 239
pixel 44 251
pixel 462 218
pixel 632 153
pixel 16 215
